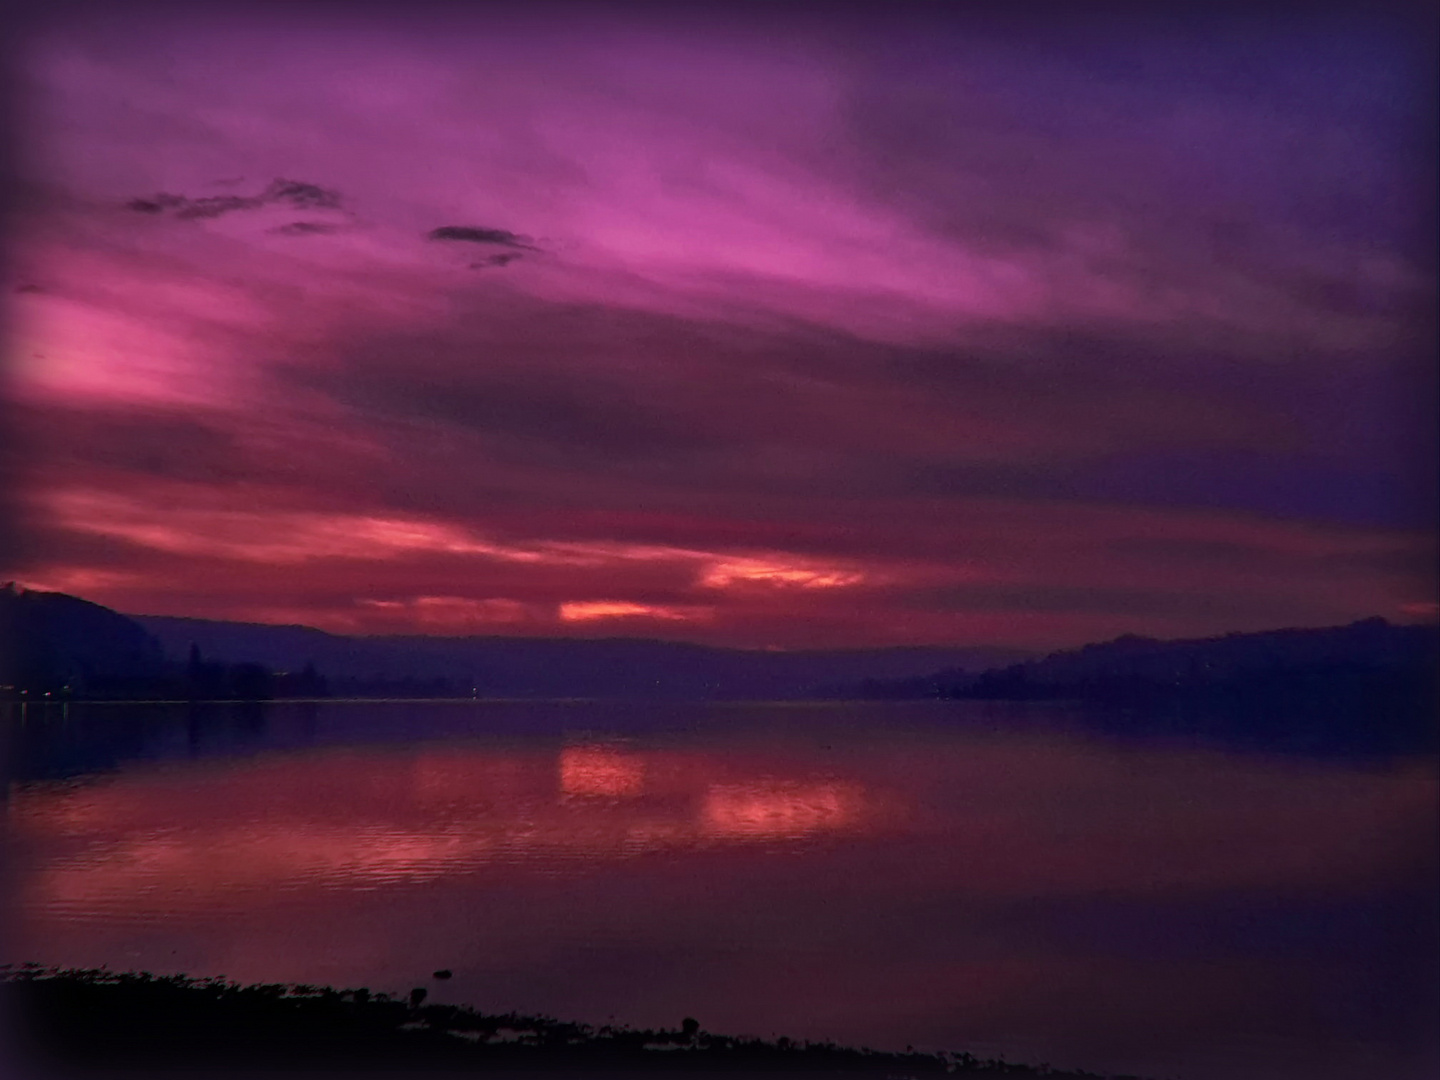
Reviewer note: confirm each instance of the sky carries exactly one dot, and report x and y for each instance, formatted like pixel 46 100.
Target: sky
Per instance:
pixel 855 328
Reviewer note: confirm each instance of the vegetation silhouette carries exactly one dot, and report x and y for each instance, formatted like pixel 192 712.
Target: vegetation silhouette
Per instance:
pixel 89 1019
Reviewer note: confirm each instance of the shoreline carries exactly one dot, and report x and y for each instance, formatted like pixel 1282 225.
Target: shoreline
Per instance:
pixel 97 1019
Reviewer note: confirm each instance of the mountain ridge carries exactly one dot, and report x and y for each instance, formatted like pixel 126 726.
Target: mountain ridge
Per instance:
pixel 59 640
pixel 499 665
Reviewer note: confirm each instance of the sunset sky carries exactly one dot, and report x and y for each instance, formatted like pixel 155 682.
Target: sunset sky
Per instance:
pixel 782 331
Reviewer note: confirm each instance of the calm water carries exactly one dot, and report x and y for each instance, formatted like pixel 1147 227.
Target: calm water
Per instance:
pixel 948 876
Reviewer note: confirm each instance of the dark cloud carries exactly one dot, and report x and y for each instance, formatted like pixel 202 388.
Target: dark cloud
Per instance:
pixel 156 442
pixel 476 235
pixel 1048 598
pixel 609 396
pixel 47 543
pixel 1171 550
pixel 1044 597
pixel 694 409
pixel 1316 487
pixel 1263 169
pixel 157 204
pixel 306 228
pixel 300 194
pixel 213 206
pixel 296 193
pixel 541 416
pixel 1416 561
pixel 469 234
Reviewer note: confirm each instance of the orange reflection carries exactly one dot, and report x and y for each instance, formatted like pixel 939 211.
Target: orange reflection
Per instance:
pixel 595 770
pixel 772 810
pixel 361 820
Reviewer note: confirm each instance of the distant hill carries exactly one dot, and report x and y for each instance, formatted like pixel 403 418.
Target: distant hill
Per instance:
pixel 1131 665
pixel 1371 667
pixel 60 646
pixel 1371 683
pixel 559 667
pixel 52 641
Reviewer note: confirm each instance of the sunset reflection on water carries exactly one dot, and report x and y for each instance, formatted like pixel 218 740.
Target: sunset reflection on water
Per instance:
pixel 768 810
pixel 599 770
pixel 359 820
pixel 828 875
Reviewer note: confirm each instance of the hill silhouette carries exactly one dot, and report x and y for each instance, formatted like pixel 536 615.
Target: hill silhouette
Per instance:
pixel 1368 685
pixel 527 667
pixel 65 642
pixel 52 641
pixel 57 646
pixel 1371 685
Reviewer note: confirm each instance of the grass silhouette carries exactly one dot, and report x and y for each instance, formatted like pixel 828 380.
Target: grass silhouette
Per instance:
pixel 88 1020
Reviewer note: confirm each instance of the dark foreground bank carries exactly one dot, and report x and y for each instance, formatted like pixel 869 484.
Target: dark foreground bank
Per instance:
pixel 65 1023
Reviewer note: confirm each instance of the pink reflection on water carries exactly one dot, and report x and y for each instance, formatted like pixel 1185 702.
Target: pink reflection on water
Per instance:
pixel 596 770
pixel 1012 820
pixel 1041 897
pixel 772 810
pixel 184 840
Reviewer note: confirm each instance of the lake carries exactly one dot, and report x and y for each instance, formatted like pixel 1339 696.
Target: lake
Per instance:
pixel 965 876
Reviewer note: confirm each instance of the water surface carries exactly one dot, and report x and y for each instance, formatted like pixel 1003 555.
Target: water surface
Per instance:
pixel 961 876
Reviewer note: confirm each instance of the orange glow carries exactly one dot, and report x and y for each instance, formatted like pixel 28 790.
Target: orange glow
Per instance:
pixel 267 536
pixel 595 770
pixel 729 571
pixel 584 610
pixel 774 810
pixel 181 519
pixel 454 612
